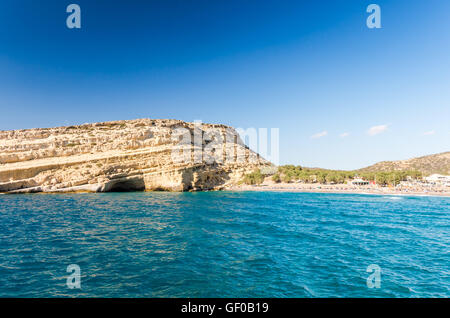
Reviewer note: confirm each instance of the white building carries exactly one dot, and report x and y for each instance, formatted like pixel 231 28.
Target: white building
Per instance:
pixel 438 179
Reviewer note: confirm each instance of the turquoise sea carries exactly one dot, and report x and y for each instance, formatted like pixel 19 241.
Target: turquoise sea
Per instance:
pixel 224 244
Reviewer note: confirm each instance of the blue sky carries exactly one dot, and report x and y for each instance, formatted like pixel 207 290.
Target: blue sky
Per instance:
pixel 310 68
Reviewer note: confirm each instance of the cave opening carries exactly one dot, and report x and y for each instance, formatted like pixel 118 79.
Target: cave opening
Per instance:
pixel 128 186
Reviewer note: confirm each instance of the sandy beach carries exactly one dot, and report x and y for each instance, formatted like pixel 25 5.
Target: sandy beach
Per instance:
pixel 343 188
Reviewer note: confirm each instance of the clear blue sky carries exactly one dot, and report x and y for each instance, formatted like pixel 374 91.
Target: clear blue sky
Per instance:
pixel 310 68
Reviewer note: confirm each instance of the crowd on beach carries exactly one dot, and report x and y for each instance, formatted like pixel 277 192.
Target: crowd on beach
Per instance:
pixel 343 188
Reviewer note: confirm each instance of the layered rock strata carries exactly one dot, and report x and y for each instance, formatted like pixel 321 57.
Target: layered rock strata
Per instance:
pixel 132 155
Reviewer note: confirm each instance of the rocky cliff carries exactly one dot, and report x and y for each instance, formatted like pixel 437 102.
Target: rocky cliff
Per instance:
pixel 132 155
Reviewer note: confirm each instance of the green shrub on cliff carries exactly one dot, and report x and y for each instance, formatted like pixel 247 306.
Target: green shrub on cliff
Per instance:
pixel 286 178
pixel 253 178
pixel 276 178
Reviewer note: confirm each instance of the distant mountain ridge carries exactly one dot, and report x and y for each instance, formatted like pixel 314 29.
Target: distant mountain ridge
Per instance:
pixel 437 163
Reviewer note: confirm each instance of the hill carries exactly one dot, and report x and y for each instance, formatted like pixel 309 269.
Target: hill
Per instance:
pixel 437 163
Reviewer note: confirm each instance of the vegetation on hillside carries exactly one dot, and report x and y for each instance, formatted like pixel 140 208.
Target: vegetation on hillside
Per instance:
pixel 291 173
pixel 383 173
pixel 437 163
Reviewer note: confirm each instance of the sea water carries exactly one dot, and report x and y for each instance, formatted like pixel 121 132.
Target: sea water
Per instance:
pixel 224 244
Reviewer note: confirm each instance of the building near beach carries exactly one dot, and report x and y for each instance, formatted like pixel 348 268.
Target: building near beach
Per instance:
pixel 360 182
pixel 438 179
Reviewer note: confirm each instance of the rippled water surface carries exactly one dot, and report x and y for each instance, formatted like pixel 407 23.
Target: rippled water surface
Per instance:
pixel 224 244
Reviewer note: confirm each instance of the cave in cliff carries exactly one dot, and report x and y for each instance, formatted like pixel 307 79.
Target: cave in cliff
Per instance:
pixel 127 186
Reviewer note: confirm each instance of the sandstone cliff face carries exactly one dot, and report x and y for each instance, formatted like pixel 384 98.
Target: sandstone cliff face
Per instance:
pixel 131 155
